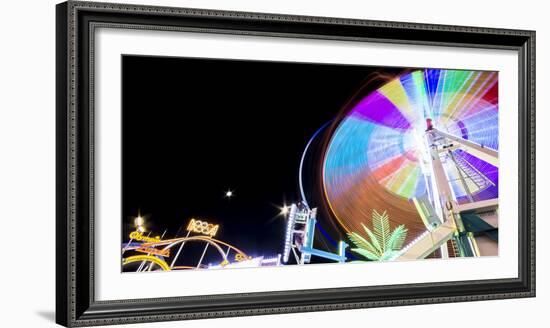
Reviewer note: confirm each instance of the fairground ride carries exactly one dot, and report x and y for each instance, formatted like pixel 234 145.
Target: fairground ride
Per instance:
pixel 163 254
pixel 424 148
pixel 450 225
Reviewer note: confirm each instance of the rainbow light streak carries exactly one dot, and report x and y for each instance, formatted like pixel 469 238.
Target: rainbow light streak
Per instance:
pixel 374 158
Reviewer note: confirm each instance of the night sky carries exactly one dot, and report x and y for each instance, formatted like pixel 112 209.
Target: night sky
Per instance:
pixel 195 128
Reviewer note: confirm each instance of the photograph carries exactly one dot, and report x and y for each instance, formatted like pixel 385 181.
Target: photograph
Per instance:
pixel 232 163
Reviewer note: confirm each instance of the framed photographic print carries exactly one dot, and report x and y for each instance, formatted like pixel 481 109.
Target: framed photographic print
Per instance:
pixel 214 163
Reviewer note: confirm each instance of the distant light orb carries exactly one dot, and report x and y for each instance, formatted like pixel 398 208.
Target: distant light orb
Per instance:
pixel 139 221
pixel 229 194
pixel 284 210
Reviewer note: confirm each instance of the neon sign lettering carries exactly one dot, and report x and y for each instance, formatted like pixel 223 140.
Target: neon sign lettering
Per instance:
pixel 203 227
pixel 138 235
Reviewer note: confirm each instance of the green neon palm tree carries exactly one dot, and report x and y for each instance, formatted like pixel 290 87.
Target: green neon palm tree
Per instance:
pixel 383 244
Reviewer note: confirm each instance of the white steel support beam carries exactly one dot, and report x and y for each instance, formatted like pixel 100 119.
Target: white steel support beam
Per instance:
pixel 482 205
pixel 487 154
pixel 428 242
pixel 445 195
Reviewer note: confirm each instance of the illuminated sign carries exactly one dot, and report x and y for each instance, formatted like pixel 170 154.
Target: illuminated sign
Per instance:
pixel 203 227
pixel 154 251
pixel 138 235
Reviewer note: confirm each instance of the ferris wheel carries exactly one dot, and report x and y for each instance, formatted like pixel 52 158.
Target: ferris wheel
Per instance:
pixel 424 147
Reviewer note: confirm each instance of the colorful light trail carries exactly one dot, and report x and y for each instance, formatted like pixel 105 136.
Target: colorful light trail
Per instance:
pixel 375 157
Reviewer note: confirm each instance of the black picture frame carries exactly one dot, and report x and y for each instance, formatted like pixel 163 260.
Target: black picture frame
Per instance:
pixel 76 23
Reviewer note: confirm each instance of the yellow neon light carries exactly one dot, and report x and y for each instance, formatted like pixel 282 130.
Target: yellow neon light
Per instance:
pixel 203 227
pixel 154 251
pixel 138 235
pixel 139 258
